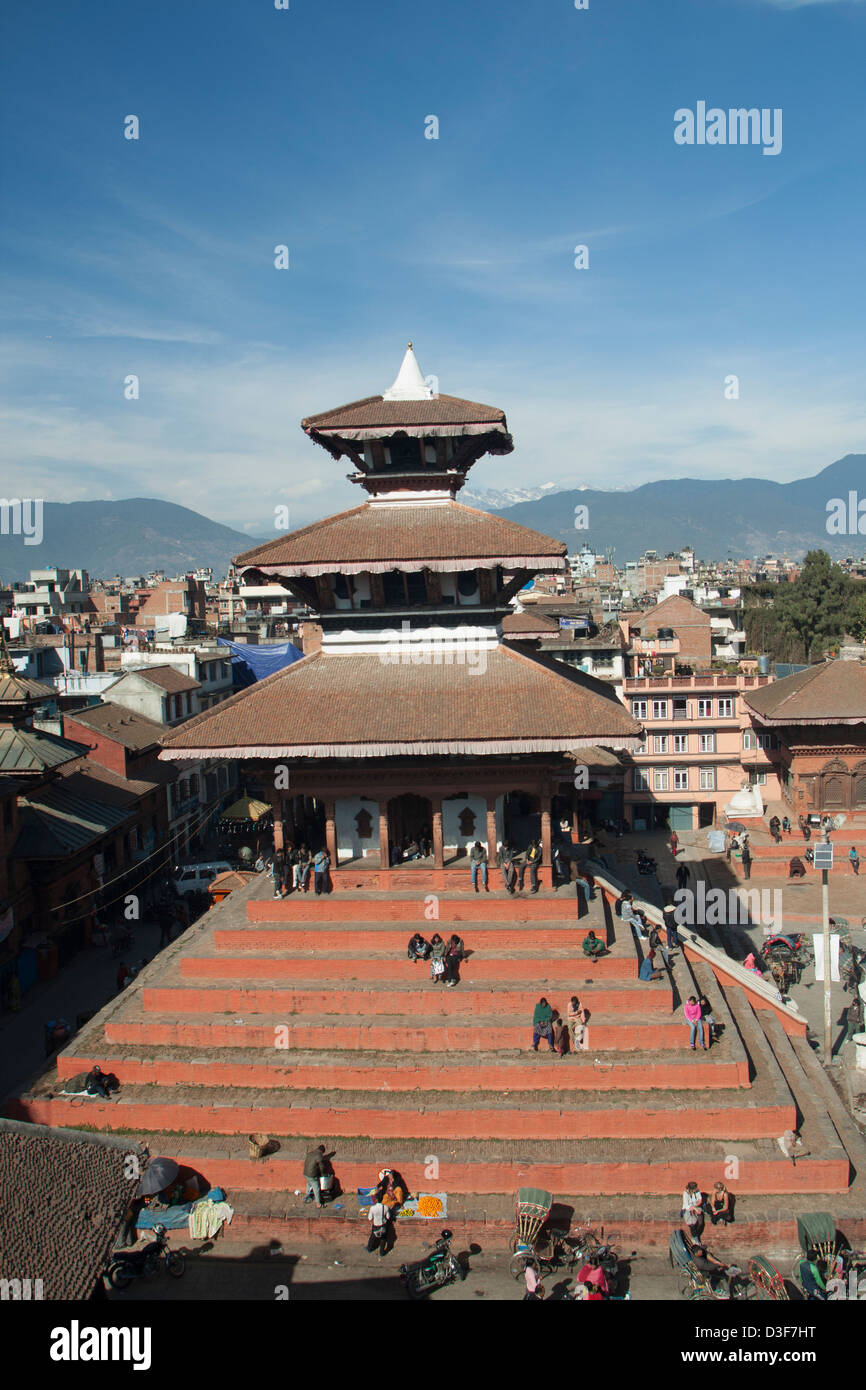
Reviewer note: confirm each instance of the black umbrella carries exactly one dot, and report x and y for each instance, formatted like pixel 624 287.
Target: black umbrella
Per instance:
pixel 158 1174
pixel 735 825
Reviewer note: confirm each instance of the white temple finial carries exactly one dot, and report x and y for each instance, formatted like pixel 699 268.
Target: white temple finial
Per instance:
pixel 409 384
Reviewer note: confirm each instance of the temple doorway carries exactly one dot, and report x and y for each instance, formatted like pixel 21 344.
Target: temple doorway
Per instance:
pixel 410 826
pixel 304 822
pixel 521 815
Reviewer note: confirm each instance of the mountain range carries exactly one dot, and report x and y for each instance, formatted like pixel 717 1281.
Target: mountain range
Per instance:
pixel 742 516
pixel 130 537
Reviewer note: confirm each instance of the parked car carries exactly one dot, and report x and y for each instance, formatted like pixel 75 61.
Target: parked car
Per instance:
pixel 194 878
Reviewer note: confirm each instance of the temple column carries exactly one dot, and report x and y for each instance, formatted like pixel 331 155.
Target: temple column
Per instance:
pixel 384 837
pixel 279 834
pixel 491 832
pixel 546 855
pixel 438 847
pixel 331 830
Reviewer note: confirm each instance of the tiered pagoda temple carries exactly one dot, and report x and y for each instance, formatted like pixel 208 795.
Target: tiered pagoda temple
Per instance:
pixel 414 716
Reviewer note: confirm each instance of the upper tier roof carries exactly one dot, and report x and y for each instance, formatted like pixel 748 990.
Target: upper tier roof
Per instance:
pixel 374 416
pixel 378 537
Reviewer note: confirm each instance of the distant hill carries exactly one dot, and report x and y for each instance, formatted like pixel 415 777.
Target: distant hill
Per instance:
pixel 746 516
pixel 130 537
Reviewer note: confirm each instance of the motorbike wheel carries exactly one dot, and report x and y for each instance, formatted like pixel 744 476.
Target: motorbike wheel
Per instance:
pixel 175 1264
pixel 118 1277
pixel 414 1289
pixel 457 1269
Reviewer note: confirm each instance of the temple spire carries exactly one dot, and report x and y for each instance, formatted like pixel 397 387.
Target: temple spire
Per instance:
pixel 409 384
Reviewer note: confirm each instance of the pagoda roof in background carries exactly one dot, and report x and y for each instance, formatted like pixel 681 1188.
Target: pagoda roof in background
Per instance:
pixel 833 692
pixel 334 706
pixel 378 536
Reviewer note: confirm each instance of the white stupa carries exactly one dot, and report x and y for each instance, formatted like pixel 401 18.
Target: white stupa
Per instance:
pixel 409 384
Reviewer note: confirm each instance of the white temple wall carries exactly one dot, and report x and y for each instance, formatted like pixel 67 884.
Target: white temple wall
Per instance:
pixel 350 843
pixel 453 819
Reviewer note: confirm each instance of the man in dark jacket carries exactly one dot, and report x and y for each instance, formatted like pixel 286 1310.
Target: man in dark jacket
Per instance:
pixel 314 1170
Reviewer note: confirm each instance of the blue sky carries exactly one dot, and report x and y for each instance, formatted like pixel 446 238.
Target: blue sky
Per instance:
pixel 306 128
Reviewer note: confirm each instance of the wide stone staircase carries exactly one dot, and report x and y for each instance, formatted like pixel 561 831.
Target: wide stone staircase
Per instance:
pixel 304 1019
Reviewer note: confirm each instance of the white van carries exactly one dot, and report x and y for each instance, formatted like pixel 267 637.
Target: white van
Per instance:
pixel 195 878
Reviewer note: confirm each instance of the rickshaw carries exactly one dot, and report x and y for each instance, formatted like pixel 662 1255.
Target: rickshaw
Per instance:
pixel 768 1283
pixel 527 1245
pixel 822 1258
pixel 695 1284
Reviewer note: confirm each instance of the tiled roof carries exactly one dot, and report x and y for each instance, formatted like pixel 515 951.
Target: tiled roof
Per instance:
pixel 22 690
pixel 391 415
pixel 35 750
pixel 832 692
pixel 523 624
pixel 62 818
pixel 380 537
pixel 121 725
pixel 65 1194
pixel 168 678
pixel 357 705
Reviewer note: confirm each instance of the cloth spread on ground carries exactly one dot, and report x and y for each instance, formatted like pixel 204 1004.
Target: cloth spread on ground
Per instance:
pixel 207 1218
pixel 172 1218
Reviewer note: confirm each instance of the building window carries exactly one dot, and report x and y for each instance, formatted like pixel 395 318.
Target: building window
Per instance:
pixel 638 709
pixel 681 709
pixel 705 709
pixel 757 779
pixel 660 709
pixel 754 740
pixel 681 743
pixel 726 709
pixel 661 779
pixel 707 743
pixel 640 779
pixel 681 779
pixel 708 779
pixel 660 743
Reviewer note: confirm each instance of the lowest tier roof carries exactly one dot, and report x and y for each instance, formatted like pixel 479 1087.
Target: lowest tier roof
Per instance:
pixel 379 536
pixel 357 705
pixel 832 693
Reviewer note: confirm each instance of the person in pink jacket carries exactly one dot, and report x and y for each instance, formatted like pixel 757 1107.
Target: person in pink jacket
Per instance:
pixel 692 1011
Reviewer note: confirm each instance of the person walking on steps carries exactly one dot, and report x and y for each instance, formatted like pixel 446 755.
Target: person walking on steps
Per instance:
pixel 683 875
pixel 746 857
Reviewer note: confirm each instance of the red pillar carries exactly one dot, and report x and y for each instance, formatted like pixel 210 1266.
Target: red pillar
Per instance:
pixel 438 847
pixel 331 831
pixel 491 831
pixel 384 837
pixel 546 857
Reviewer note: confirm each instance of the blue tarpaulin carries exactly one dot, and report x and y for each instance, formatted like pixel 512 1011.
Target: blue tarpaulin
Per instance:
pixel 252 663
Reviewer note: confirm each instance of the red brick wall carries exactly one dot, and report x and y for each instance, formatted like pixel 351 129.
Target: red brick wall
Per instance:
pixel 104 751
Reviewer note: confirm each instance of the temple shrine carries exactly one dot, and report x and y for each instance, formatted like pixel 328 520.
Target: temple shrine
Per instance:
pixel 412 719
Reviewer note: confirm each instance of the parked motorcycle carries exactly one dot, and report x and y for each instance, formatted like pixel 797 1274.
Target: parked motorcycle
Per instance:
pixel 127 1265
pixel 437 1268
pixel 645 865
